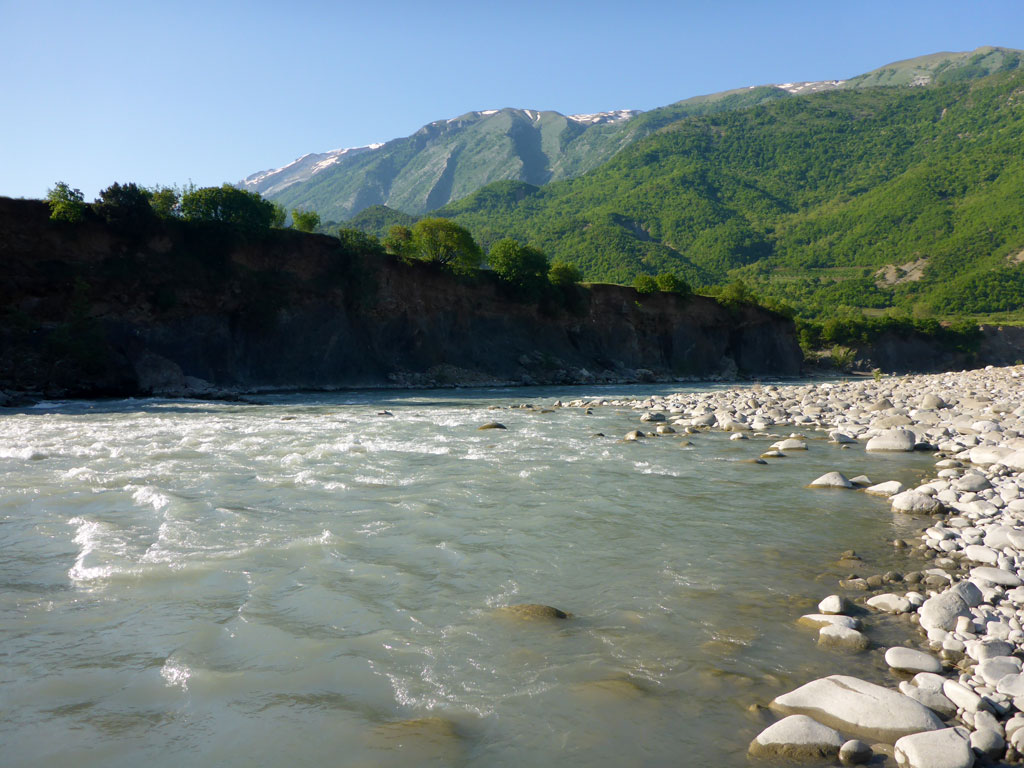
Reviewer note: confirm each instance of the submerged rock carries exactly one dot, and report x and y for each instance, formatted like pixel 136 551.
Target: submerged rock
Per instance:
pixel 534 612
pixel 492 425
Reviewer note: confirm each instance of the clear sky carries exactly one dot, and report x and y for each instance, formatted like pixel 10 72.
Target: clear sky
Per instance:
pixel 98 91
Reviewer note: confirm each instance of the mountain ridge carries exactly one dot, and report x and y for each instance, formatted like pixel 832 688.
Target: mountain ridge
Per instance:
pixel 449 159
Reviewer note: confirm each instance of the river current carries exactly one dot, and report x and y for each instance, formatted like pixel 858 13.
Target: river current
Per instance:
pixel 303 580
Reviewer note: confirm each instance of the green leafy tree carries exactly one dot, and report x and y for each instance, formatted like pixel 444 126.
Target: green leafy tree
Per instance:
pixel 305 221
pixel 523 266
pixel 442 241
pixel 280 216
pixel 736 293
pixel 564 273
pixel 645 284
pixel 670 282
pixel 125 203
pixel 228 204
pixel 165 201
pixel 398 241
pixel 355 242
pixel 66 204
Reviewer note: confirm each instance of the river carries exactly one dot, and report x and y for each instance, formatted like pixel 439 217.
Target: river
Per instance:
pixel 304 580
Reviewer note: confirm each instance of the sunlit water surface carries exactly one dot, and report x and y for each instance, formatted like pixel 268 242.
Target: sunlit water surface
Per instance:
pixel 303 581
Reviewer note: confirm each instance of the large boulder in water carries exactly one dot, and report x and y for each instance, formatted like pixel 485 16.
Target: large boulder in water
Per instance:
pixel 892 440
pixel 859 707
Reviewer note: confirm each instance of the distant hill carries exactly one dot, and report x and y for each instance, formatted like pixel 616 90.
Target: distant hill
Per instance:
pixel 450 159
pixel 867 198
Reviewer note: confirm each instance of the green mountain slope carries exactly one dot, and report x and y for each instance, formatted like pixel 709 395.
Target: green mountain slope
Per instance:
pixel 866 197
pixel 450 159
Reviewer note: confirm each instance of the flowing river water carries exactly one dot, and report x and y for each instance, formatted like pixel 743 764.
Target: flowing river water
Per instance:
pixel 303 581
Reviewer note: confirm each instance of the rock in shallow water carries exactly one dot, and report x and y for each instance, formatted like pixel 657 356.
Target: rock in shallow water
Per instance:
pixel 534 612
pixel 838 636
pixel 915 503
pixel 797 737
pixel 855 752
pixel 859 707
pixel 892 440
pixel 831 480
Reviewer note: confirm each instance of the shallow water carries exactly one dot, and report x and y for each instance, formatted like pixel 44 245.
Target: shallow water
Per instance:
pixel 304 580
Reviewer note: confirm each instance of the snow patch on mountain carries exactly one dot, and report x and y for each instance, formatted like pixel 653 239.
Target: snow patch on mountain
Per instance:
pixel 813 86
pixel 614 116
pixel 301 169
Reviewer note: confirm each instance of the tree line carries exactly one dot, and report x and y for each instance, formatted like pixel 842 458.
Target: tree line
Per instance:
pixel 524 268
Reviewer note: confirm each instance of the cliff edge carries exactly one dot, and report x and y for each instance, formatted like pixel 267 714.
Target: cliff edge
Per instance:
pixel 96 308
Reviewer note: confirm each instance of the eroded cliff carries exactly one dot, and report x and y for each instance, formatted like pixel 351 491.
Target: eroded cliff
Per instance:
pixel 99 308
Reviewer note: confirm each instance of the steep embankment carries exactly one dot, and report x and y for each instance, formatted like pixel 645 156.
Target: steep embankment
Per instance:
pixel 165 306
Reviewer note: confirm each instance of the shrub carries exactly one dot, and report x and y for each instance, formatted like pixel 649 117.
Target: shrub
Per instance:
pixel 564 273
pixel 670 282
pixel 398 241
pixel 355 242
pixel 645 284
pixel 305 221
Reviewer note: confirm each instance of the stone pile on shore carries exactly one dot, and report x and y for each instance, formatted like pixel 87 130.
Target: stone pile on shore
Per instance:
pixel 961 700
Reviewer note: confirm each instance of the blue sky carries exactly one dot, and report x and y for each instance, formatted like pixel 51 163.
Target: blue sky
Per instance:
pixel 93 92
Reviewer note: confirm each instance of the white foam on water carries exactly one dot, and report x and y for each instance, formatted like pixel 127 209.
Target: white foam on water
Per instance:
pixel 26 454
pixel 89 537
pixel 147 495
pixel 175 674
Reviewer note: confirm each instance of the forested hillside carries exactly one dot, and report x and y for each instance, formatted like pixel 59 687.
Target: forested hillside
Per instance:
pixel 890 196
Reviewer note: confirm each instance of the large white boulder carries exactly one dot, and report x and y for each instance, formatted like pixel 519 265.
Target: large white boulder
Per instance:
pixel 942 610
pixel 915 502
pixel 859 707
pixel 892 440
pixel 889 488
pixel 946 748
pixel 831 480
pixel 797 737
pixel 989 454
pixel 996 576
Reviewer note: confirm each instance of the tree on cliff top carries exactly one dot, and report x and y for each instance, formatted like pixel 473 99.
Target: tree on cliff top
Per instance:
pixel 523 266
pixel 444 242
pixel 305 221
pixel 66 204
pixel 228 204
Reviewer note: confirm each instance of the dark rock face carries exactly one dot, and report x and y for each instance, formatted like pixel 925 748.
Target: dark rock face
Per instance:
pixel 94 309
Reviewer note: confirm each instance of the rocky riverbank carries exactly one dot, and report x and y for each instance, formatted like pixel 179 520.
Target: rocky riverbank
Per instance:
pixel 959 697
